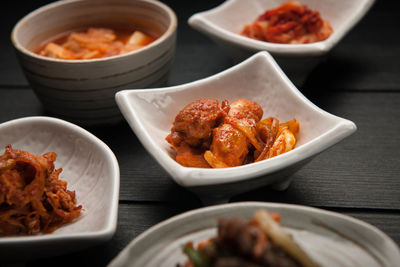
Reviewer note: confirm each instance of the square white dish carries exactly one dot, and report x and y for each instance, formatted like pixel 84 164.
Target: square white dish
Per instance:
pixel 150 113
pixel 224 23
pixel 91 170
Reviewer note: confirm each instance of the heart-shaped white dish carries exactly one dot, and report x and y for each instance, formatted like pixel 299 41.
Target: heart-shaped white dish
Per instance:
pixel 91 170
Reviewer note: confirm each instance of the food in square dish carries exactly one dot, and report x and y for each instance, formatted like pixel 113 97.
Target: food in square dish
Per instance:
pixel 206 135
pixel 32 198
pixel 290 23
pixel 95 43
pixel 259 241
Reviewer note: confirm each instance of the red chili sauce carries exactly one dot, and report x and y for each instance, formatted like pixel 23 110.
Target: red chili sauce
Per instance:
pixel 291 23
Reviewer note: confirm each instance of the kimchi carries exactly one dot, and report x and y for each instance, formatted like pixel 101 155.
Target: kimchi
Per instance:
pixel 208 135
pixel 291 23
pixel 32 197
pixel 95 43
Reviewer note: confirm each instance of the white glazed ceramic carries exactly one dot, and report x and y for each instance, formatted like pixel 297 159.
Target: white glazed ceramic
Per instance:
pixel 89 167
pixel 224 23
pixel 83 91
pixel 331 239
pixel 150 114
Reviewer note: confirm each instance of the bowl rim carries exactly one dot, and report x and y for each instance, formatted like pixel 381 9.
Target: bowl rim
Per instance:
pixel 111 224
pixel 193 177
pixel 172 27
pixel 226 210
pixel 200 22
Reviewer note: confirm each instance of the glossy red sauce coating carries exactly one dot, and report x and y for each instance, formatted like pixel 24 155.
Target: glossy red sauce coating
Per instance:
pixel 207 135
pixel 291 23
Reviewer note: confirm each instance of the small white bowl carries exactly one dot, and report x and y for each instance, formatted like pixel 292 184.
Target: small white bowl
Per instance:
pixel 150 113
pixel 224 23
pixel 82 91
pixel 89 167
pixel 329 238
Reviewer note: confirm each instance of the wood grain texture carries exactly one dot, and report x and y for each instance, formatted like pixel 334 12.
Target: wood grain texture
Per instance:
pixel 368 58
pixel 373 67
pixel 359 80
pixel 17 103
pixel 133 220
pixel 361 171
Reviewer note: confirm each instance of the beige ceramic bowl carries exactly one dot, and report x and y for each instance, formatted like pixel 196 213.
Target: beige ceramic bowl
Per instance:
pixel 83 91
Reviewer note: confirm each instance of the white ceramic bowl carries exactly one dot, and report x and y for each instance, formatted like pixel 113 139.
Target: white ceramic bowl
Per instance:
pixel 82 91
pixel 329 238
pixel 150 113
pixel 89 167
pixel 224 23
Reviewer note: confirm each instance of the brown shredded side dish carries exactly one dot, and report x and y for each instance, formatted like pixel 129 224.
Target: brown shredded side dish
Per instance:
pixel 32 198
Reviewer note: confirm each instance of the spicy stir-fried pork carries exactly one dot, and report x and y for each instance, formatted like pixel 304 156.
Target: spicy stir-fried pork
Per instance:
pixel 206 135
pixel 257 242
pixel 291 23
pixel 32 198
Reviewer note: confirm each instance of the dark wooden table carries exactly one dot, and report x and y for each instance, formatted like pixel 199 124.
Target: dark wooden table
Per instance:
pixel 360 177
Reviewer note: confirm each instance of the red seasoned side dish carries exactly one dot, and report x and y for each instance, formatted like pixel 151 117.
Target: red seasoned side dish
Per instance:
pixel 95 43
pixel 32 198
pixel 257 242
pixel 206 135
pixel 291 23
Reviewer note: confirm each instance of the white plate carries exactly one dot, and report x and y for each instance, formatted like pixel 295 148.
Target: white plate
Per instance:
pixel 331 239
pixel 150 113
pixel 89 167
pixel 224 23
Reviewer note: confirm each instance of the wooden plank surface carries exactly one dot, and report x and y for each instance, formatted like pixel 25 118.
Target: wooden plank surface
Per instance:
pixel 359 80
pixel 361 171
pixel 368 58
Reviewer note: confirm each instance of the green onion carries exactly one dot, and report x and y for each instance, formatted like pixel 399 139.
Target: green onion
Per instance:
pixel 198 258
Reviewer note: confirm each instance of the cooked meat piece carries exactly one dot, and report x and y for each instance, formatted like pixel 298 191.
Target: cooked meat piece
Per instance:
pixel 229 145
pixel 228 135
pixel 196 121
pixel 246 109
pixel 240 236
pixel 246 239
pixel 190 157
